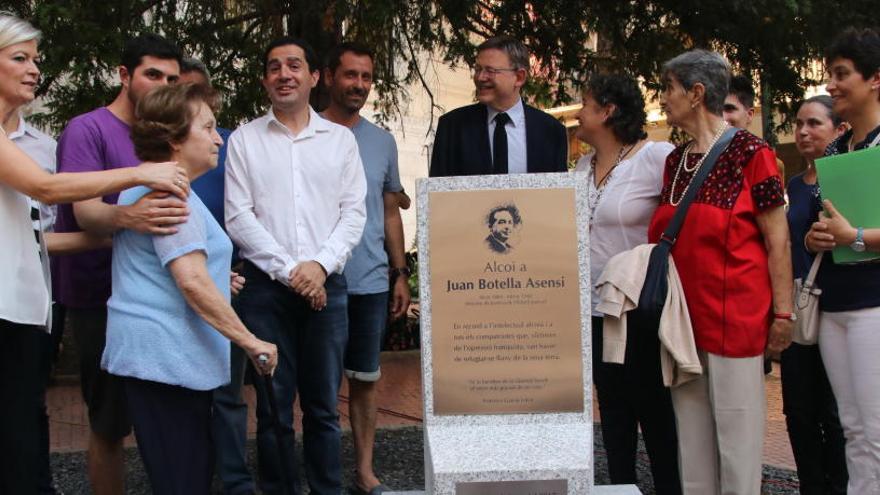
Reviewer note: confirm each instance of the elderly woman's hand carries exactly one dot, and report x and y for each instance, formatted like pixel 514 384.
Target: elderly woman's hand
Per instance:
pixel 780 336
pixel 236 283
pixel 256 348
pixel 168 176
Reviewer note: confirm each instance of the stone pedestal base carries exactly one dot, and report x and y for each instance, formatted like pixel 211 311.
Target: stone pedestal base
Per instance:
pixel 597 490
pixel 456 454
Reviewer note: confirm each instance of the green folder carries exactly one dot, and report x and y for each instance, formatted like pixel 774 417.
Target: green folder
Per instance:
pixel 852 182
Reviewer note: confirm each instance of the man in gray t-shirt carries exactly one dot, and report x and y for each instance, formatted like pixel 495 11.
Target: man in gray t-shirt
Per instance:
pixel 348 76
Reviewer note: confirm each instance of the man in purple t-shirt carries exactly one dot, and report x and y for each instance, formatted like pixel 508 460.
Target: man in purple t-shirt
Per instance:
pixel 99 140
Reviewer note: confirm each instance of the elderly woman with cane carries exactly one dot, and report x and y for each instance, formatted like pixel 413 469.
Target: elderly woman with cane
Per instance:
pixel 169 321
pixel 734 262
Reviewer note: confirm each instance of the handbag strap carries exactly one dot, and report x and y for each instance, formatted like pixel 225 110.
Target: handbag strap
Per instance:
pixel 671 233
pixel 814 269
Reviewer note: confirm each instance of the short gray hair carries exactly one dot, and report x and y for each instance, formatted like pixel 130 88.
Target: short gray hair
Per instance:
pixel 192 64
pixel 14 30
pixel 705 67
pixel 514 48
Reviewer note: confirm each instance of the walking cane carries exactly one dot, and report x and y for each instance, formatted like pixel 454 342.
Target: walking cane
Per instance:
pixel 276 424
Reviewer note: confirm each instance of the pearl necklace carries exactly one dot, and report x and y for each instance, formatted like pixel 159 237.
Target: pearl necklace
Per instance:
pixel 682 164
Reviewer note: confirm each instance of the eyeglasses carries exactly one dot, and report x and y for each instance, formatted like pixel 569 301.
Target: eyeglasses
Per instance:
pixel 476 70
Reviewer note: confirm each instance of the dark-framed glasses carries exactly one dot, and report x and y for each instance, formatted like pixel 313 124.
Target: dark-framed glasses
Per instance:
pixel 476 70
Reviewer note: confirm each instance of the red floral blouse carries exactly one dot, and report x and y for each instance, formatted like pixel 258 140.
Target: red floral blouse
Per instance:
pixel 720 253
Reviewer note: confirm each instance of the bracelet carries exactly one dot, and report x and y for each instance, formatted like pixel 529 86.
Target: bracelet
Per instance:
pixel 785 316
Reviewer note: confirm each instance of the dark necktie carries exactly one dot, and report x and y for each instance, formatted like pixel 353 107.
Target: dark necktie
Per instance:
pixel 499 144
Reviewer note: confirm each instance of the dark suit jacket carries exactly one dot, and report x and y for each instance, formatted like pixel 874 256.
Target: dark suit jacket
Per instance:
pixel 461 144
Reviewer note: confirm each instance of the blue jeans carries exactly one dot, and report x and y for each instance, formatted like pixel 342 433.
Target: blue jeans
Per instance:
pixel 311 345
pixel 229 429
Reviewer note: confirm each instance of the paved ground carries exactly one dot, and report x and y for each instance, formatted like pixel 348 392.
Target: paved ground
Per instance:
pixel 399 460
pixel 399 447
pixel 400 401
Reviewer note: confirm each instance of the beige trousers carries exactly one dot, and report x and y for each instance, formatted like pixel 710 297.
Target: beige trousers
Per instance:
pixel 720 418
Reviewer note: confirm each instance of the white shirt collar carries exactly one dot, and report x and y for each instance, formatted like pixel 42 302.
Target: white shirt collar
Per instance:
pixel 516 113
pixel 316 124
pixel 23 128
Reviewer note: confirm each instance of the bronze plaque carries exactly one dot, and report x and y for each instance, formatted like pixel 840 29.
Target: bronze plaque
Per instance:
pixel 505 302
pixel 542 487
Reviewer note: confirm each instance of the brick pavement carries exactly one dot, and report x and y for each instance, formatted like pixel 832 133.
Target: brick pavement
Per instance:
pixel 400 402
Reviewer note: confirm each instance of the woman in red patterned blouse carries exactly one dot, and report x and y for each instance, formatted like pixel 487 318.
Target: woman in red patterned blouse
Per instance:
pixel 734 262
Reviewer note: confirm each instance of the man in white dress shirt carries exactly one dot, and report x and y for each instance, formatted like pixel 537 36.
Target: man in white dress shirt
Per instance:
pixel 295 191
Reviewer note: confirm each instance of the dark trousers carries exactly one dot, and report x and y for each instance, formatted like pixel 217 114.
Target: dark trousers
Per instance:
pixel 47 485
pixel 814 429
pixel 630 396
pixel 22 387
pixel 51 348
pixel 229 429
pixel 173 430
pixel 311 345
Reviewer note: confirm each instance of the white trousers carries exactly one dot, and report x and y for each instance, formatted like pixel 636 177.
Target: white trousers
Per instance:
pixel 850 345
pixel 720 418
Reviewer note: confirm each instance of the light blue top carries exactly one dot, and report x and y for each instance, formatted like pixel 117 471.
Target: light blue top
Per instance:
pixel 152 333
pixel 367 270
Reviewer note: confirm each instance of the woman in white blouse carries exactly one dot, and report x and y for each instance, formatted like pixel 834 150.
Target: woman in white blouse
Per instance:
pixel 625 172
pixel 24 294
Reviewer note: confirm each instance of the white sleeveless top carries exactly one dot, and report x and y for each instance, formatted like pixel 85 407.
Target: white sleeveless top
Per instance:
pixel 24 293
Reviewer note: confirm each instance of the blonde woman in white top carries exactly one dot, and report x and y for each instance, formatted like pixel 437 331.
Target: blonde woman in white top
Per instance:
pixel 24 294
pixel 625 172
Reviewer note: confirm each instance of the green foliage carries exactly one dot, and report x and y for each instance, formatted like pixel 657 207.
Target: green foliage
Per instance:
pixel 772 40
pixel 412 262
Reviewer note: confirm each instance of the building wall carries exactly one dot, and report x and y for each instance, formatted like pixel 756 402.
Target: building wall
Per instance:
pixel 414 132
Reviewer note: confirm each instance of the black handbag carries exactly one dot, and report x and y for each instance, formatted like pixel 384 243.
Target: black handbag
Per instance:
pixel 653 295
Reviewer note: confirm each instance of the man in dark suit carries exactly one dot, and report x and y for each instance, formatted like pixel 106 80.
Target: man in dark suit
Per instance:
pixel 500 134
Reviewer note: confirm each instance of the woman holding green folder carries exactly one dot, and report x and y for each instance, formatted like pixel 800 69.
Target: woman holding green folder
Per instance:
pixel 849 328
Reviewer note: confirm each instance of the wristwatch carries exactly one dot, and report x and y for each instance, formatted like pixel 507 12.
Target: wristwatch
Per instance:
pixel 404 271
pixel 858 245
pixel 785 316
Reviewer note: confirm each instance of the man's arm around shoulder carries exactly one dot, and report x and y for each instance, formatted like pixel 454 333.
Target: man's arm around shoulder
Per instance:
pixel 80 150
